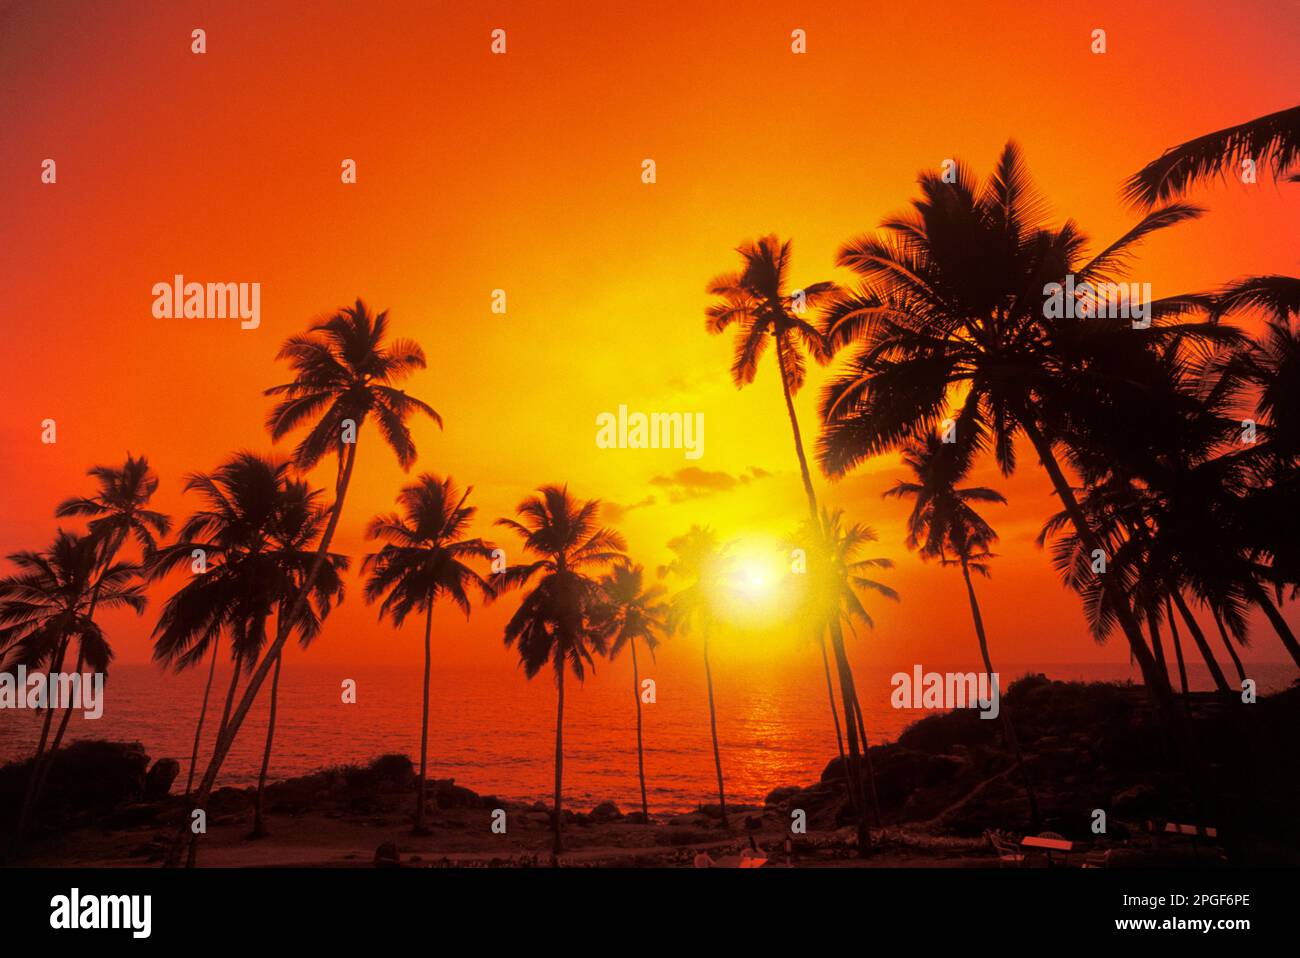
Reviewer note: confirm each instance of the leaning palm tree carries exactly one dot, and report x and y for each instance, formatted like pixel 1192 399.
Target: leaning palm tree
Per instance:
pixel 423 560
pixel 836 574
pixel 757 302
pixel 344 374
pixel 1271 141
pixel 703 565
pixel 246 548
pixel 554 621
pixel 629 611
pixel 944 525
pixel 117 511
pixel 44 610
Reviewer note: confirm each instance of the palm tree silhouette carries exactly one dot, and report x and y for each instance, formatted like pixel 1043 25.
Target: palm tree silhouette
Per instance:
pixel 554 621
pixel 703 564
pixel 423 560
pixel 628 611
pixel 247 550
pixel 756 301
pixel 45 608
pixel 1271 141
pixel 835 576
pixel 951 312
pixel 944 525
pixel 344 373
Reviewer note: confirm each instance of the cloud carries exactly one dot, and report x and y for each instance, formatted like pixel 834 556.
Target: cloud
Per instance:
pixel 615 512
pixel 692 482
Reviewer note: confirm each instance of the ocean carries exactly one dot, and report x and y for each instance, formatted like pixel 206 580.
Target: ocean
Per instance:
pixel 494 732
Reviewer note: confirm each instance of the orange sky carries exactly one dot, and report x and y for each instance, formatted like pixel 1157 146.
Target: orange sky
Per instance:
pixel 522 172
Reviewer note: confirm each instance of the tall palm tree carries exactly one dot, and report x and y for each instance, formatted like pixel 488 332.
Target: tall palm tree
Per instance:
pixel 253 532
pixel 950 323
pixel 554 621
pixel 1272 141
pixel 423 560
pixel 835 576
pixel 757 302
pixel 117 511
pixel 944 525
pixel 44 609
pixel 703 565
pixel 629 611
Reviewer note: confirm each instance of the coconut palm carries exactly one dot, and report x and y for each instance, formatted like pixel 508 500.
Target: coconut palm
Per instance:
pixel 757 302
pixel 117 511
pixel 1271 141
pixel 422 561
pixel 834 577
pixel 246 550
pixel 703 565
pixel 950 323
pixel 44 610
pixel 944 525
pixel 344 374
pixel 629 611
pixel 554 621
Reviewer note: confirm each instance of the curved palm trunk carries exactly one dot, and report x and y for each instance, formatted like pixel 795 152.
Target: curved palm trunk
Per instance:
pixel 230 697
pixel 1008 730
pixel 558 845
pixel 1260 597
pixel 29 795
pixel 713 727
pixel 1211 663
pixel 259 827
pixel 226 738
pixel 830 694
pixel 1178 644
pixel 203 712
pixel 640 751
pixel 866 759
pixel 1157 646
pixel 424 726
pixel 1227 644
pixel 58 740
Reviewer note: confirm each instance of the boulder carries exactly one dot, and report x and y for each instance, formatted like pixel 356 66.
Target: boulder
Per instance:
pixel 387 856
pixel 605 812
pixel 158 780
pixel 781 794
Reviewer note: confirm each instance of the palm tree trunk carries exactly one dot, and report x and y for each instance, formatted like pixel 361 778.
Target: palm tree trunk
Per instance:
pixel 1008 730
pixel 640 751
pixel 1178 644
pixel 713 727
pixel 1156 645
pixel 203 711
pixel 558 846
pixel 259 828
pixel 1227 644
pixel 227 736
pixel 48 763
pixel 1260 597
pixel 848 696
pixel 230 697
pixel 424 725
pixel 29 795
pixel 1220 682
pixel 866 759
pixel 830 694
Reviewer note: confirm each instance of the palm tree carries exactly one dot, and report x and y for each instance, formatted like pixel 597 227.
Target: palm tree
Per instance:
pixel 554 621
pixel 835 576
pixel 703 565
pixel 344 373
pixel 629 611
pixel 422 561
pixel 757 302
pixel 945 526
pixel 118 510
pixel 253 535
pixel 1272 141
pixel 44 608
pixel 951 324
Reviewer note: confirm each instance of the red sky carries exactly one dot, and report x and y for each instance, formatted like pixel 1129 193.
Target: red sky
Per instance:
pixel 522 172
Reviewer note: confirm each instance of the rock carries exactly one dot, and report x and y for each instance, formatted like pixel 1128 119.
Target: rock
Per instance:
pixel 605 812
pixel 780 794
pixel 448 794
pixel 635 818
pixel 387 856
pixel 158 780
pixel 133 815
